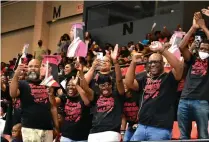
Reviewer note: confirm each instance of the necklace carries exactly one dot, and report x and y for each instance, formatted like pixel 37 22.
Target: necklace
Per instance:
pixel 151 78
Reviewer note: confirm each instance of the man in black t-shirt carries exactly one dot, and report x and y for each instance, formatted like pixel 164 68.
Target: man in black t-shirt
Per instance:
pixel 38 104
pixel 107 105
pixel 193 104
pixel 156 114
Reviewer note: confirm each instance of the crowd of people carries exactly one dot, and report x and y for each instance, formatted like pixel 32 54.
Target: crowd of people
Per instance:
pixel 97 103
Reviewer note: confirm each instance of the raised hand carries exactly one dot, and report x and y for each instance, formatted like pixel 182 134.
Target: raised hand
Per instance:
pixel 137 57
pixel 201 23
pixel 21 68
pixel 95 63
pixel 50 90
pixel 114 54
pixel 197 16
pixel 75 80
pixel 78 66
pixel 205 11
pixel 156 46
pixel 107 53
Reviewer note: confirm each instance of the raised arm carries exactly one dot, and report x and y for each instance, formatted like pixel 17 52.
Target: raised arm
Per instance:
pixel 177 65
pixel 172 60
pixel 201 23
pixel 130 75
pixel 81 91
pixel 14 83
pixel 89 75
pixel 85 86
pixel 119 80
pixel 89 94
pixel 183 45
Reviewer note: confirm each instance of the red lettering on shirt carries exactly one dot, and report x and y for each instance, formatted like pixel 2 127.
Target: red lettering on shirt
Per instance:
pixel 39 93
pixel 72 111
pixel 200 67
pixel 16 103
pixel 104 104
pixel 181 85
pixel 130 109
pixel 152 88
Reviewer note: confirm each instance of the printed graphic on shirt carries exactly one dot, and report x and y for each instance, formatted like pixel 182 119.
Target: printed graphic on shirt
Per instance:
pixel 181 85
pixel 105 104
pixel 130 109
pixel 200 67
pixel 151 88
pixel 16 103
pixel 72 111
pixel 39 93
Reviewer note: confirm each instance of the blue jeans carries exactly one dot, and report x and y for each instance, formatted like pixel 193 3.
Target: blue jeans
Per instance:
pixel 189 110
pixel 128 134
pixel 148 133
pixel 64 139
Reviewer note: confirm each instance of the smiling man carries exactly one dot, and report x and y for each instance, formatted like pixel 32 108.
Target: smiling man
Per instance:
pixel 38 105
pixel 156 112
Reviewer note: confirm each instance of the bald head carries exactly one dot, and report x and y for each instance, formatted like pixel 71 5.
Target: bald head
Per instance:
pixel 34 61
pixel 156 56
pixel 156 65
pixel 34 66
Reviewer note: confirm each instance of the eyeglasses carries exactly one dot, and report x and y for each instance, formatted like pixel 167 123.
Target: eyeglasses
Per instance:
pixel 155 62
pixel 105 85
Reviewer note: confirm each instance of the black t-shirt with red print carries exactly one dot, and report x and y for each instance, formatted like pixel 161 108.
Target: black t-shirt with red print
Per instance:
pixel 159 96
pixel 107 112
pixel 77 118
pixel 197 80
pixel 131 109
pixel 36 107
pixel 16 112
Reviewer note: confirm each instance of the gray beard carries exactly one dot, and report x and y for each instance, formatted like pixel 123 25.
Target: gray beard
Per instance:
pixel 33 76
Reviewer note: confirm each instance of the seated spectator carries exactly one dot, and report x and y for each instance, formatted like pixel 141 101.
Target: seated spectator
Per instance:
pixel 124 52
pixel 16 133
pixel 139 47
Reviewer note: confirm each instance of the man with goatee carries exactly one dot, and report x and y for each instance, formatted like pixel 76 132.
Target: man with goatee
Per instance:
pixel 38 104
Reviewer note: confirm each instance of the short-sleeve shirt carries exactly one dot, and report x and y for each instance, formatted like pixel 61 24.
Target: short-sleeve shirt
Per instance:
pixel 197 80
pixel 35 104
pixel 107 113
pixel 159 96
pixel 77 118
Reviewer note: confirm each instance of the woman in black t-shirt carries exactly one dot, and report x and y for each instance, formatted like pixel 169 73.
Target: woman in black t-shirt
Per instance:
pixel 106 102
pixel 77 119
